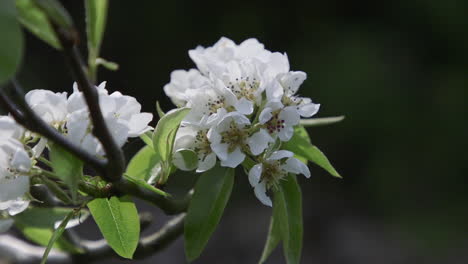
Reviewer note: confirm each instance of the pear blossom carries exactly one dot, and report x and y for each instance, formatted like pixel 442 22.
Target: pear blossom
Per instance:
pixel 10 129
pixel 195 138
pixel 230 139
pixel 214 59
pixel 50 106
pixel 181 82
pixel 121 113
pixel 270 171
pixel 15 164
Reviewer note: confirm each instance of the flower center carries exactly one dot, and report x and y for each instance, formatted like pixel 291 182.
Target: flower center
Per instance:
pixel 275 124
pixel 291 100
pixel 234 137
pixel 202 144
pixel 244 87
pixel 272 173
pixel 213 105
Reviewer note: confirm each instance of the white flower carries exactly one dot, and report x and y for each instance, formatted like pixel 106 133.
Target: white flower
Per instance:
pixel 286 93
pixel 194 138
pixel 267 174
pixel 279 120
pixel 214 59
pixel 121 114
pixel 181 82
pixel 10 129
pixel 230 139
pixel 15 163
pixel 50 106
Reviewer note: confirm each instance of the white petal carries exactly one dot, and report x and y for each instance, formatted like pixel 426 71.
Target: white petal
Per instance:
pixel 290 116
pixel 14 188
pixel 5 224
pixel 295 166
pixel 221 150
pixel 292 80
pixel 233 159
pixel 9 128
pixel 281 154
pixel 259 142
pixel 18 206
pixel 21 160
pixel 207 163
pixel 266 115
pixel 286 133
pixel 254 174
pixel 244 106
pixel 308 110
pixel 274 91
pixel 260 192
pixel 139 124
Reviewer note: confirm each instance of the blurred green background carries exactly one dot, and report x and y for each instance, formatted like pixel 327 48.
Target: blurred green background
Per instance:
pixel 396 69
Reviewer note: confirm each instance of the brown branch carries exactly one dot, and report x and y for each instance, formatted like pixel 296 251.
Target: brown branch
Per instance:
pixel 116 160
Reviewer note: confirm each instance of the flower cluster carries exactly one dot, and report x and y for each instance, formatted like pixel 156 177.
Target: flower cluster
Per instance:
pixel 20 149
pixel 244 103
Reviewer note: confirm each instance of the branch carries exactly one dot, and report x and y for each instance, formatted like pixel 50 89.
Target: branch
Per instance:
pixel 17 251
pixel 116 159
pixel 147 246
pixel 170 206
pixel 31 121
pixel 14 250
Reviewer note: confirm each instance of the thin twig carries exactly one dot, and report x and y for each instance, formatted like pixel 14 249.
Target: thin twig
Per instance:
pixel 168 205
pixel 115 156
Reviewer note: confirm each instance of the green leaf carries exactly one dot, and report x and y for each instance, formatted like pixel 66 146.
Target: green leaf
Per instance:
pixel 146 185
pixel 274 237
pixel 55 189
pixel 67 167
pixel 147 137
pixel 186 159
pixel 55 11
pixel 34 20
pixel 110 65
pixel 57 234
pixel 164 133
pixel 288 206
pixel 118 220
pixel 301 146
pixel 159 110
pixel 212 192
pixel 96 13
pixel 323 121
pixel 11 39
pixel 144 164
pixel 37 225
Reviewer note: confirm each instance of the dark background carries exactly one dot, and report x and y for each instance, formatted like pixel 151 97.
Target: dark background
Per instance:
pixel 396 69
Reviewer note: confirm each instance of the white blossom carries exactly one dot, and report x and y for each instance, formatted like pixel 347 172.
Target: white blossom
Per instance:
pixel 15 164
pixel 231 138
pixel 181 82
pixel 10 129
pixel 268 173
pixel 50 106
pixel 121 113
pixel 194 137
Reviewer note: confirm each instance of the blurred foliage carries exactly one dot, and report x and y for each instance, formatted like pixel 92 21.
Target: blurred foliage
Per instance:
pixel 396 69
